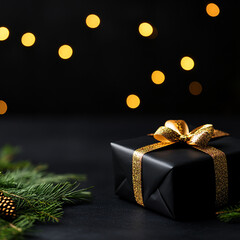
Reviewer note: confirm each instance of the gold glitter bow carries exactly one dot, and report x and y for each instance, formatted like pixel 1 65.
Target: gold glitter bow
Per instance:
pixel 177 131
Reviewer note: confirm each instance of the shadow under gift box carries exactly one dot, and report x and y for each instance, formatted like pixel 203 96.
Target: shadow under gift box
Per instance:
pixel 178 181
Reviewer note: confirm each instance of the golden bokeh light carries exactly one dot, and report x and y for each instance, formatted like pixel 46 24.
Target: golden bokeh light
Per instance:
pixel 28 39
pixel 4 33
pixel 158 77
pixel 92 21
pixel 212 10
pixel 3 107
pixel 65 51
pixel 133 101
pixel 145 29
pixel 195 88
pixel 187 63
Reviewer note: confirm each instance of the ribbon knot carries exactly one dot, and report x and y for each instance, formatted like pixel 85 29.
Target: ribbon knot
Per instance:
pixel 183 138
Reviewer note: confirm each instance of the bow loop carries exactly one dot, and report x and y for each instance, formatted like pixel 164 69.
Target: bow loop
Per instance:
pixel 165 134
pixel 201 136
pixel 179 126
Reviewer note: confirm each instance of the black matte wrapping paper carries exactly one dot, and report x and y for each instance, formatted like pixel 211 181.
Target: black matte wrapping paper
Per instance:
pixel 178 181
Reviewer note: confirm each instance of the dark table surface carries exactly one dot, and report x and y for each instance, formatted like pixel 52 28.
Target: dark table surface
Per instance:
pixel 80 144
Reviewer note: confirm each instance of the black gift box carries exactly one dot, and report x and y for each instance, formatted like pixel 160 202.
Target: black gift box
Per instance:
pixel 178 181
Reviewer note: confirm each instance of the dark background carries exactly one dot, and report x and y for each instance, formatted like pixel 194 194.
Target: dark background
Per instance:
pixel 114 60
pixel 66 112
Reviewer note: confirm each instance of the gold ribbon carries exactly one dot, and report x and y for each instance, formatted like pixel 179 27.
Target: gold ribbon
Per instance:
pixel 177 131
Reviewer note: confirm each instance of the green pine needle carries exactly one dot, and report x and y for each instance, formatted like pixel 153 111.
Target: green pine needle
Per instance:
pixel 39 196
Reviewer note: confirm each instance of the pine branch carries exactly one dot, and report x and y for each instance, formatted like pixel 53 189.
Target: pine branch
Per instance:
pixel 229 214
pixel 39 196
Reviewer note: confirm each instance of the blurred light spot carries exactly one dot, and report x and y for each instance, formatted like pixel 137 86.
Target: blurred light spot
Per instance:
pixel 195 88
pixel 158 77
pixel 145 29
pixel 4 33
pixel 92 21
pixel 3 107
pixel 187 63
pixel 28 39
pixel 65 52
pixel 133 101
pixel 212 10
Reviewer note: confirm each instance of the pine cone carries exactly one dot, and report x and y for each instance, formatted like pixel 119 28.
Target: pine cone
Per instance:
pixel 7 206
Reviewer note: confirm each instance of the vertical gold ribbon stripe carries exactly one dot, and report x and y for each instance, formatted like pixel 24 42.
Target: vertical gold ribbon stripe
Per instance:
pixel 137 168
pixel 221 173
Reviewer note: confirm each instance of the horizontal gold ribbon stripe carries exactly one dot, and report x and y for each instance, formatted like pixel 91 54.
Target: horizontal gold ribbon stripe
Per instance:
pixel 219 133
